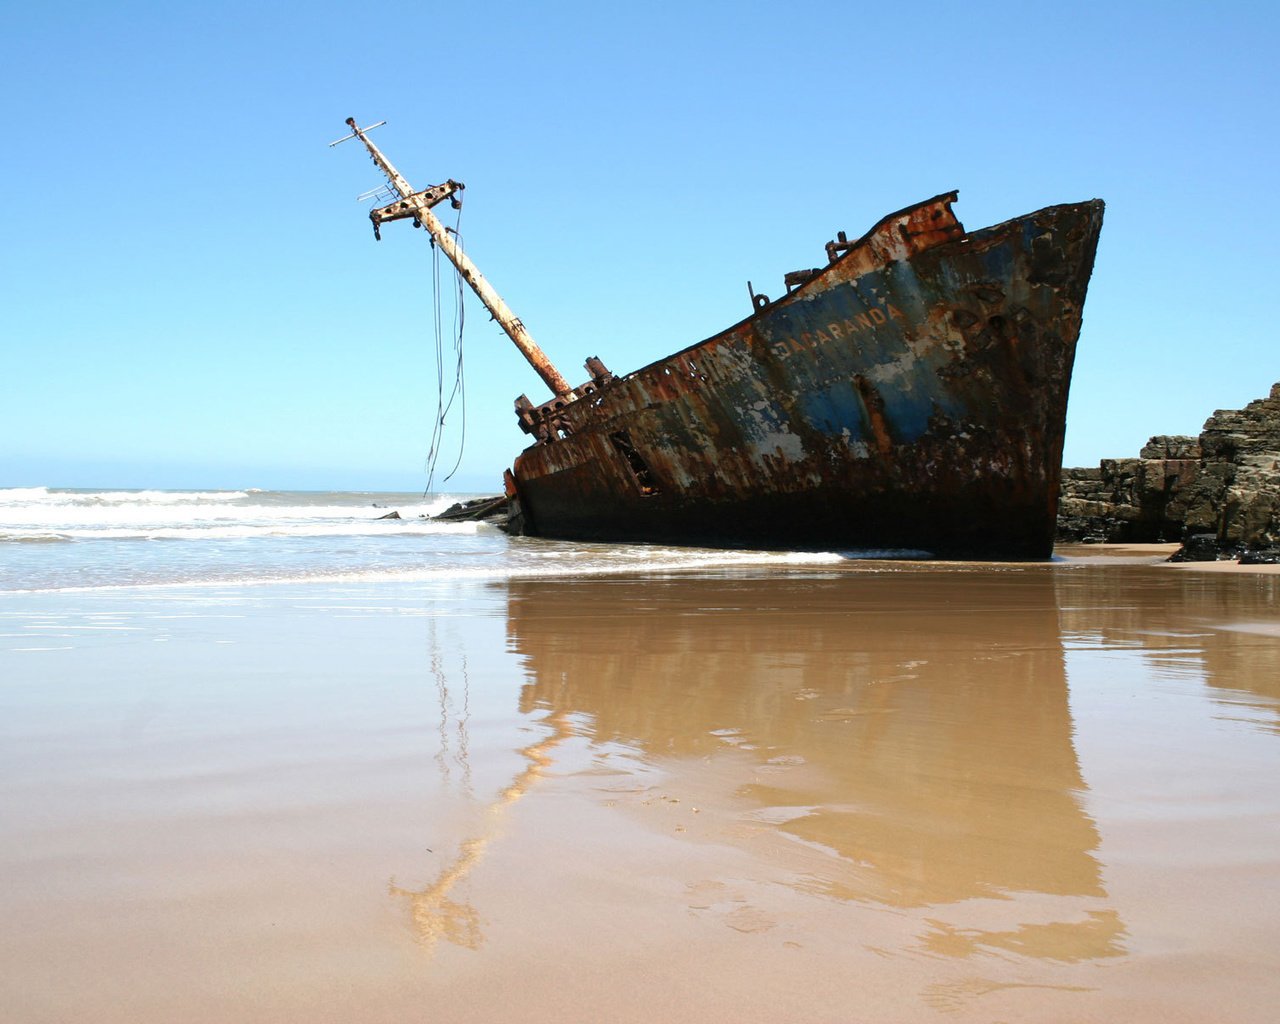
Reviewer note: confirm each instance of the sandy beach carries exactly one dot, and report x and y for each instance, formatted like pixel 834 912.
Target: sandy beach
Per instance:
pixel 1151 554
pixel 872 792
pixel 558 526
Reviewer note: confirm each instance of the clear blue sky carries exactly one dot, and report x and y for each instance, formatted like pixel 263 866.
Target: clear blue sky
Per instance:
pixel 193 298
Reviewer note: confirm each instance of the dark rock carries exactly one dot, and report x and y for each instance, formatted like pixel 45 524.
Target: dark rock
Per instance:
pixel 1201 547
pixel 1240 496
pixel 390 515
pixel 478 510
pixel 1262 556
pixel 1225 484
pixel 516 524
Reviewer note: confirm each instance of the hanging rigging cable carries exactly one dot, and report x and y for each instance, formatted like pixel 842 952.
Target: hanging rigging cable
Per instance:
pixel 457 388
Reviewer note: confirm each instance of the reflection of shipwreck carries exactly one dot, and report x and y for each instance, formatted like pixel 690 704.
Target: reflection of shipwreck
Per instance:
pixel 912 393
pixel 932 767
pixel 1216 630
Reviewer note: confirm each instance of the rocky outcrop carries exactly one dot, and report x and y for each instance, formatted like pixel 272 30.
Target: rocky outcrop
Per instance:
pixel 1238 496
pixel 1222 488
pixel 1140 500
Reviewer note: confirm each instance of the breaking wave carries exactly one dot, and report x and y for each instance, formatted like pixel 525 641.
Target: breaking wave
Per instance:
pixel 63 497
pixel 41 512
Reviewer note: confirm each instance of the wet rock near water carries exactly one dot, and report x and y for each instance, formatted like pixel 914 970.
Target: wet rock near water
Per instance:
pixel 1201 547
pixel 493 510
pixel 1219 492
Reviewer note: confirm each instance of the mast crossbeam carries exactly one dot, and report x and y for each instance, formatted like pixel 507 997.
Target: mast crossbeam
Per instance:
pixel 412 206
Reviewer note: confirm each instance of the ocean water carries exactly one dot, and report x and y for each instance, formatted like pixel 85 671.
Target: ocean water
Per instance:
pixel 68 539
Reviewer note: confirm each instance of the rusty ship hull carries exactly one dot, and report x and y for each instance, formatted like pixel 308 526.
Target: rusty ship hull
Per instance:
pixel 911 394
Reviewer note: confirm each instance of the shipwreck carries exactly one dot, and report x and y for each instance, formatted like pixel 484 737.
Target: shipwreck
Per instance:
pixel 909 394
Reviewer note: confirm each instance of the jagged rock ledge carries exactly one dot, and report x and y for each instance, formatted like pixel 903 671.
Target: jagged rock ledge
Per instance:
pixel 1218 494
pixel 496 511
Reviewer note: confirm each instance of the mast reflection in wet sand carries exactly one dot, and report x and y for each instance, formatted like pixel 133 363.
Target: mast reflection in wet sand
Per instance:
pixel 435 915
pixel 865 758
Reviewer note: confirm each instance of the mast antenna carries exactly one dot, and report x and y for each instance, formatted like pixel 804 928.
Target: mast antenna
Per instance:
pixel 355 134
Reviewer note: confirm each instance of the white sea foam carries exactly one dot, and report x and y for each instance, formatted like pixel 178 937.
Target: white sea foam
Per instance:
pixel 669 562
pixel 159 497
pixel 245 531
pixel 636 560
pixel 23 495
pixel 45 495
pixel 38 511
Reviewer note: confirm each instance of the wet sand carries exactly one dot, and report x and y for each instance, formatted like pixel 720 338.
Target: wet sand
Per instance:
pixel 1151 554
pixel 882 793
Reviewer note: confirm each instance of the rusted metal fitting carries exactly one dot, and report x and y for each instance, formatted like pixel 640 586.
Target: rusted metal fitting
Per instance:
pixel 798 277
pixel 599 372
pixel 839 247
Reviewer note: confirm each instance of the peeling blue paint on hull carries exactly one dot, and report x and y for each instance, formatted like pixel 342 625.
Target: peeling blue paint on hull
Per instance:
pixel 912 394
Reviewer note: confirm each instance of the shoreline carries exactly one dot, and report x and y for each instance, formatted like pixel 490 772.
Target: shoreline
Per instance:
pixel 1152 554
pixel 741 563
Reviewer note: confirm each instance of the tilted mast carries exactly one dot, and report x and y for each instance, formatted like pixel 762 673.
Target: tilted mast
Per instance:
pixel 417 205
